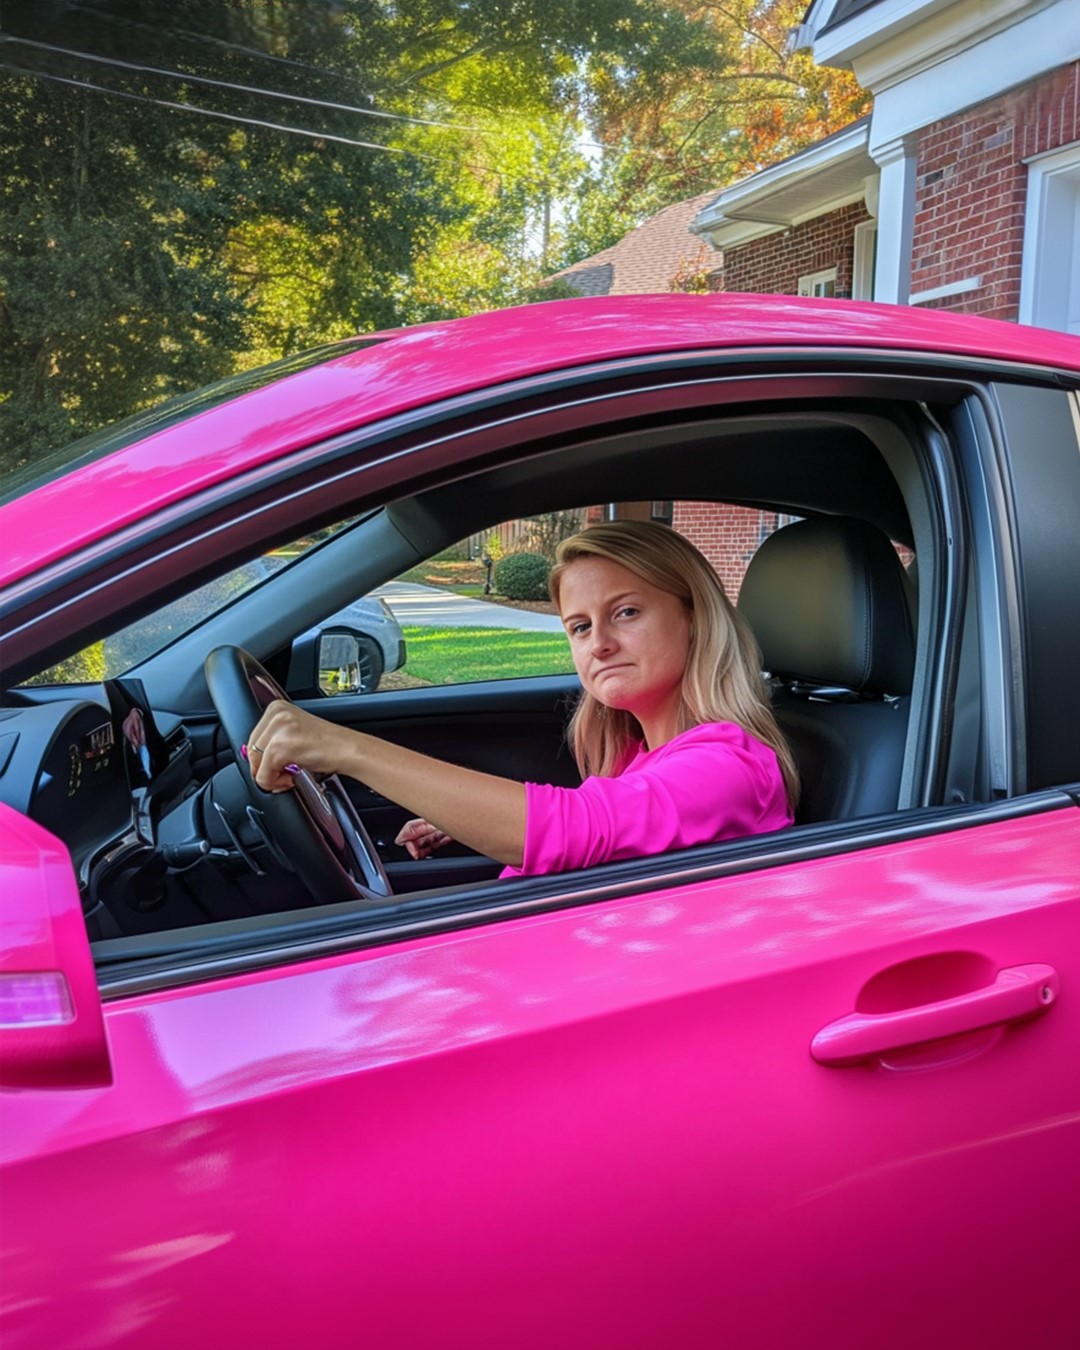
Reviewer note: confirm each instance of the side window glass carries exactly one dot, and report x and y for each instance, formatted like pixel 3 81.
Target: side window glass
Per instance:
pixel 117 653
pixel 479 610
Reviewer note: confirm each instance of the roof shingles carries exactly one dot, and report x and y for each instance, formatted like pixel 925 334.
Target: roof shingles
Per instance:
pixel 648 258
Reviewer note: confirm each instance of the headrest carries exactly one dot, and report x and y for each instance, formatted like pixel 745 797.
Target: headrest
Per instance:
pixel 828 602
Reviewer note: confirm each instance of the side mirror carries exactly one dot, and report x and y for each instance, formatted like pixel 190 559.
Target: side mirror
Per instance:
pixel 52 1032
pixel 331 662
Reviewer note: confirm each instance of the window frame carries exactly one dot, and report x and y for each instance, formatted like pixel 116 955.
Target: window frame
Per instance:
pixel 1051 226
pixel 810 282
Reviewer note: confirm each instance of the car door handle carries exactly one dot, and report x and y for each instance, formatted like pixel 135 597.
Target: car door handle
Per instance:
pixel 1016 993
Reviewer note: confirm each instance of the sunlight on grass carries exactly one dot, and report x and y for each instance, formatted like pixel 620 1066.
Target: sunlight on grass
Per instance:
pixel 462 655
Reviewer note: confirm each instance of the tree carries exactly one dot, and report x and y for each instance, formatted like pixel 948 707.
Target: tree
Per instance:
pixel 702 128
pixel 189 188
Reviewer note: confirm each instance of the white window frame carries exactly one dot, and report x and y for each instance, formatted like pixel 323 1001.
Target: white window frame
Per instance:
pixel 1050 268
pixel 864 257
pixel 808 284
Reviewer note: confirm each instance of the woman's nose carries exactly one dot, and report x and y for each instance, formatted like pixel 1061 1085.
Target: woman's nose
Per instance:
pixel 603 639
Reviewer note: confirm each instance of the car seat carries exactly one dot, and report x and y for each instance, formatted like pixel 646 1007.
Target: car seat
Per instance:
pixel 832 609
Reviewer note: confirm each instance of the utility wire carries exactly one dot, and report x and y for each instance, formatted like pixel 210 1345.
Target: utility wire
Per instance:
pixel 292 63
pixel 255 121
pixel 237 88
pixel 222 116
pixel 221 42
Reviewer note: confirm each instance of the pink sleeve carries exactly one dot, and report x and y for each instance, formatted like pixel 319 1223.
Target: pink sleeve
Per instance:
pixel 711 783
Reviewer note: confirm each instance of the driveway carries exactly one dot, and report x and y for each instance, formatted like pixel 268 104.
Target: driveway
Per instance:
pixel 434 607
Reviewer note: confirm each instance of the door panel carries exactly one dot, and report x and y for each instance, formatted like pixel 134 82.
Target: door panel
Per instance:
pixel 596 1126
pixel 510 727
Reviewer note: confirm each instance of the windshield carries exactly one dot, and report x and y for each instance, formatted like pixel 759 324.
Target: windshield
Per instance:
pixel 119 652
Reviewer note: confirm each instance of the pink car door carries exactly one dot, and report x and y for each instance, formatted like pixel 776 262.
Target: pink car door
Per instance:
pixel 829 1098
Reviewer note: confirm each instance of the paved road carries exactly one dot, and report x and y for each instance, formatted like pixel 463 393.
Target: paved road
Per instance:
pixel 434 607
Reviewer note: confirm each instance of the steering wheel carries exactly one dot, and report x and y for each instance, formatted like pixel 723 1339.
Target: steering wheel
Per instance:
pixel 315 826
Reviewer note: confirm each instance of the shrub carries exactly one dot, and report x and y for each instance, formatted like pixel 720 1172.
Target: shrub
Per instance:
pixel 522 576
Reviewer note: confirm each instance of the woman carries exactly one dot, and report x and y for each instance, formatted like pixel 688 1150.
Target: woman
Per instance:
pixel 673 733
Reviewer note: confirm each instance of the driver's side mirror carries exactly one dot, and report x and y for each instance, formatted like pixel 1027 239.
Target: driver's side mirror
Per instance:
pixel 331 662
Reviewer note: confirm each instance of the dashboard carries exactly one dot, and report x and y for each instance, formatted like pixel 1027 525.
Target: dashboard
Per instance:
pixel 80 769
pixel 62 765
pixel 153 847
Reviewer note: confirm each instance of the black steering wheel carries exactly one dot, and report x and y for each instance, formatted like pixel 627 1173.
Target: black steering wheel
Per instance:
pixel 316 827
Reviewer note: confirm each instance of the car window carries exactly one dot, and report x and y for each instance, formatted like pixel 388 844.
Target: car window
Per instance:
pixel 479 610
pixel 119 652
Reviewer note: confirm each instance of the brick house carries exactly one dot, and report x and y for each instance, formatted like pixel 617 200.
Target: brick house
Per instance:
pixel 960 191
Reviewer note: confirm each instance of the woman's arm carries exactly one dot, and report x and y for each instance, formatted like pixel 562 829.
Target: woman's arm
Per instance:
pixel 481 811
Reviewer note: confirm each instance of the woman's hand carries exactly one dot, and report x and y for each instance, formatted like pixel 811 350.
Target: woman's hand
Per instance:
pixel 287 738
pixel 421 839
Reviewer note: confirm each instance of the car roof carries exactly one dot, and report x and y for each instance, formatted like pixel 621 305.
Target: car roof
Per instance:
pixel 413 367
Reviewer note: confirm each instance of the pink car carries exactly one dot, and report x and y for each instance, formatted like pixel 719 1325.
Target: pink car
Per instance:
pixel 269 1082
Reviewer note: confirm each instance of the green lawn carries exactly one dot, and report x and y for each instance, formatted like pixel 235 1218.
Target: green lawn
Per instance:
pixel 461 655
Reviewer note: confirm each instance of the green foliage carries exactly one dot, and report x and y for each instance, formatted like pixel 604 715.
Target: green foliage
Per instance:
pixel 190 188
pixel 522 576
pixel 86 667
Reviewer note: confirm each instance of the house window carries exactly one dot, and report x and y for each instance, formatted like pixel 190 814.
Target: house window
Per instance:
pixel 1050 273
pixel 818 283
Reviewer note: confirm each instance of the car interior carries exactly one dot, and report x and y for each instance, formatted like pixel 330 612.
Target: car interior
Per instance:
pixel 852 641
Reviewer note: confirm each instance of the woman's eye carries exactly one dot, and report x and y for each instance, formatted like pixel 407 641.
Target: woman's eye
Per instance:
pixel 627 611
pixel 578 629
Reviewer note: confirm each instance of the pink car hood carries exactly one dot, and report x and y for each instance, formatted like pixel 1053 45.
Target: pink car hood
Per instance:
pixel 424 365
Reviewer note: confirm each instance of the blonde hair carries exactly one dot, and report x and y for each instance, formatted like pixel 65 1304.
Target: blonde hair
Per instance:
pixel 722 681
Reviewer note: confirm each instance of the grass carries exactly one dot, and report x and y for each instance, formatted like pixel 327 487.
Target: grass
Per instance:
pixel 462 655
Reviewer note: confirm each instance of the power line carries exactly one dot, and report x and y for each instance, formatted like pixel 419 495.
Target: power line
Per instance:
pixel 221 42
pixel 309 134
pixel 294 64
pixel 238 88
pixel 222 116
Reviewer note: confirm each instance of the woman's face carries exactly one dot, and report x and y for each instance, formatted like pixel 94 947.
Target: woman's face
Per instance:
pixel 630 642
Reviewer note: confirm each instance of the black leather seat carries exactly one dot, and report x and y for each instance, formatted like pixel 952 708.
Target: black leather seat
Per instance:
pixel 830 605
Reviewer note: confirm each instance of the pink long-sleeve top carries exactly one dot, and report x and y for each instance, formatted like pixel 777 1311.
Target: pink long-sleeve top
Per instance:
pixel 713 782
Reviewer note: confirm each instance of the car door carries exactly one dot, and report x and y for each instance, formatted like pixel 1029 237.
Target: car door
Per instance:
pixel 816 1086
pixel 608 1123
